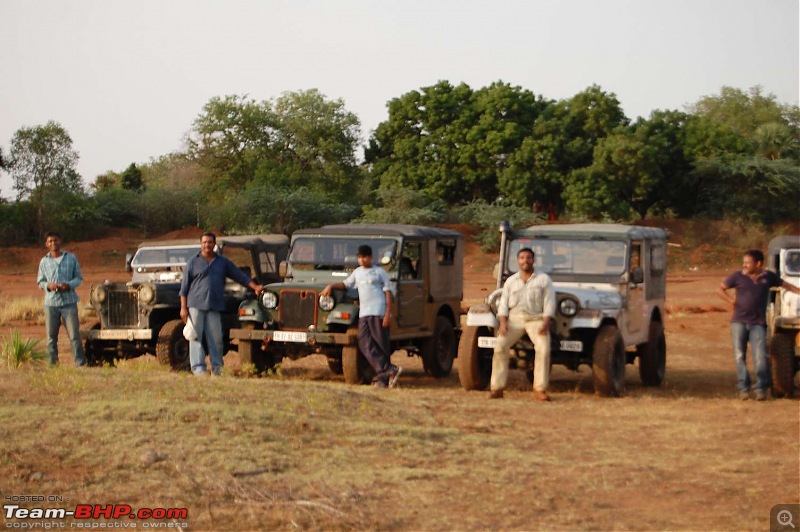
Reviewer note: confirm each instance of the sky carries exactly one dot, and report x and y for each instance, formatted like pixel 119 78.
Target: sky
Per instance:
pixel 127 78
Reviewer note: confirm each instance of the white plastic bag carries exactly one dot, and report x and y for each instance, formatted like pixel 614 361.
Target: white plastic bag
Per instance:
pixel 188 331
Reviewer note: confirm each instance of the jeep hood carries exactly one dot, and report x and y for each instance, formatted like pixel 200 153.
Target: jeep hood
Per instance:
pixel 594 296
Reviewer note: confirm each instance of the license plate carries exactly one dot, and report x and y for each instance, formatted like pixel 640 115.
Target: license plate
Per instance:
pixel 572 345
pixel 487 341
pixel 289 336
pixel 121 334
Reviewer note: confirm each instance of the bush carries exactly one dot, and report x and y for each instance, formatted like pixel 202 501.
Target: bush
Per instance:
pixel 404 206
pixel 487 217
pixel 18 352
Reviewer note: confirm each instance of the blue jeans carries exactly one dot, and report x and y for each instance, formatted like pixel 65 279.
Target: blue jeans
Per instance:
pixel 208 324
pixel 52 322
pixel 756 335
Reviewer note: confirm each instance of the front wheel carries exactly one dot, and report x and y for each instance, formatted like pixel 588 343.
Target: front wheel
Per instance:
pixel 653 356
pixel 784 364
pixel 355 367
pixel 608 362
pixel 94 353
pixel 439 351
pixel 255 353
pixel 474 363
pixel 172 348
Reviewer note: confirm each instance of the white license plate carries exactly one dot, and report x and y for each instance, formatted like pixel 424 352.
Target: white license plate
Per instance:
pixel 289 336
pixel 572 345
pixel 122 334
pixel 487 341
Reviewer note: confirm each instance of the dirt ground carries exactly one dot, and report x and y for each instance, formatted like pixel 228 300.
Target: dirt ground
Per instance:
pixel 700 375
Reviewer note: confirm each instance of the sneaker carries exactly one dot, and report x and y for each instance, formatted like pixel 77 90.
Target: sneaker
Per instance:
pixel 379 383
pixel 394 375
pixel 496 394
pixel 761 395
pixel 744 395
pixel 540 396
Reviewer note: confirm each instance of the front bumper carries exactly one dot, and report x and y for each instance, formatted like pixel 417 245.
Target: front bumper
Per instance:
pixel 294 337
pixel 118 334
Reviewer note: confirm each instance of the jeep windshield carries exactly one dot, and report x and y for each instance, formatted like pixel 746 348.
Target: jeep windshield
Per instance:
pixel 574 257
pixel 150 259
pixel 339 253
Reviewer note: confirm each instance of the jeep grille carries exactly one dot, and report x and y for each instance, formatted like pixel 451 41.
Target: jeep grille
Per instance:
pixel 123 309
pixel 298 309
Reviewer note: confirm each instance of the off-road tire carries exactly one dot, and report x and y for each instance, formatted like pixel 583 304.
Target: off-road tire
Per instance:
pixel 355 367
pixel 784 364
pixel 95 356
pixel 474 363
pixel 608 362
pixel 335 365
pixel 439 351
pixel 251 352
pixel 653 356
pixel 172 348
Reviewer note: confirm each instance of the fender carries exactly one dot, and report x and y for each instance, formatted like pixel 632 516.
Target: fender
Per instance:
pixel 482 316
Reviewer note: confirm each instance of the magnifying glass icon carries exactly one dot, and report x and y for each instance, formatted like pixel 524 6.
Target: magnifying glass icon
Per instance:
pixel 785 518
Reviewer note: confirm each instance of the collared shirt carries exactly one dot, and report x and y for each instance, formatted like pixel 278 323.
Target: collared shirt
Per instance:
pixel 63 270
pixel 534 297
pixel 203 282
pixel 371 283
pixel 751 296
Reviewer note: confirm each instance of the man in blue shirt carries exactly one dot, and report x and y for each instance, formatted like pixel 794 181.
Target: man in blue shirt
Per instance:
pixel 203 298
pixel 749 322
pixel 374 315
pixel 59 276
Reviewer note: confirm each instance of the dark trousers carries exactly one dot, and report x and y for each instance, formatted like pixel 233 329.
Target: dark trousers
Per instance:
pixel 373 341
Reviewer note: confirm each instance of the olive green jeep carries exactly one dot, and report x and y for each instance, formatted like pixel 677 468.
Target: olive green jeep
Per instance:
pixel 291 319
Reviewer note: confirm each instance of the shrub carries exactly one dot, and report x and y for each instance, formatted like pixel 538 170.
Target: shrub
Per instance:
pixel 487 217
pixel 404 206
pixel 18 351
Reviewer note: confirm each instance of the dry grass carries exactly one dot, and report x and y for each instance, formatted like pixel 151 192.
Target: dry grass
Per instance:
pixel 16 309
pixel 280 453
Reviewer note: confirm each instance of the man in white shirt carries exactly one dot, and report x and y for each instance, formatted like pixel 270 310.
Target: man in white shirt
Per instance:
pixel 527 305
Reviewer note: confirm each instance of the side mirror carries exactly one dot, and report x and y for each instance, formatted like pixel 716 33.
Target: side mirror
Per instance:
pixel 128 259
pixel 637 276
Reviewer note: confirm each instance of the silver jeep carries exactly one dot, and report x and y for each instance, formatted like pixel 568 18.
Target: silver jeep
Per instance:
pixel 143 315
pixel 610 283
pixel 783 315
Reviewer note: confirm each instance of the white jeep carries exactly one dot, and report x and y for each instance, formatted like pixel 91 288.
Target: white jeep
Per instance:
pixel 610 283
pixel 783 315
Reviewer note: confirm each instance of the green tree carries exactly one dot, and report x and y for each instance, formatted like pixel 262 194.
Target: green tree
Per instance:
pixel 43 161
pixel 623 178
pixel 451 142
pixel 132 179
pixel 315 144
pixel 562 140
pixel 230 138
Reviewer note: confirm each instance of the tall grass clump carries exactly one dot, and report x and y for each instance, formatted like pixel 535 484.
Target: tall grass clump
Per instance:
pixel 18 351
pixel 26 308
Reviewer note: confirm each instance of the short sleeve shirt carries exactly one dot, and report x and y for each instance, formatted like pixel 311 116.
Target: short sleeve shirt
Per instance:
pixel 751 296
pixel 371 284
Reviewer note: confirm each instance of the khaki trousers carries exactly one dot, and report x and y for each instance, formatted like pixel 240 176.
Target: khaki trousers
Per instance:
pixel 518 325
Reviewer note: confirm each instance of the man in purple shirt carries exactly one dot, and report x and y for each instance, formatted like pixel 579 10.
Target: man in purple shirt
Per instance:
pixel 203 298
pixel 749 321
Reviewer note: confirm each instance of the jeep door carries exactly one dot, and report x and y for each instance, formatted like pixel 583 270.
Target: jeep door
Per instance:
pixel 634 311
pixel 410 286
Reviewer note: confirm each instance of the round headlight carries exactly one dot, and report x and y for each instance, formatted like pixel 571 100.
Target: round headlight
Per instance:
pixel 568 307
pixel 269 299
pixel 100 294
pixel 326 303
pixel 146 293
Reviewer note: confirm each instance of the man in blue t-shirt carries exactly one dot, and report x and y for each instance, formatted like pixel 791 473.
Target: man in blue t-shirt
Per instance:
pixel 374 315
pixel 749 320
pixel 203 298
